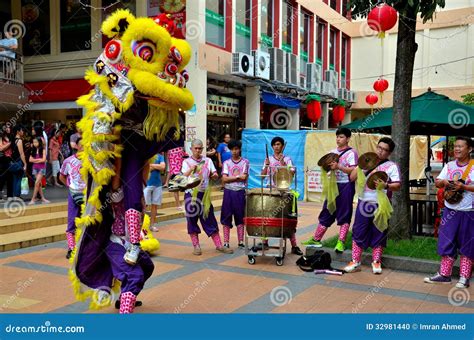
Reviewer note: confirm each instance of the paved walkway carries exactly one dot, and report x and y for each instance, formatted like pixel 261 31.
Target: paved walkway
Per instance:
pixel 35 280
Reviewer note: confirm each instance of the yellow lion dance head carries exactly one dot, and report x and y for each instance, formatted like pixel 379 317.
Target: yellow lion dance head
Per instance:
pixel 145 53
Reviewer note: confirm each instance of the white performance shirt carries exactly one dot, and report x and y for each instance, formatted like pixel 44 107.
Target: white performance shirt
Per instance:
pixel 348 159
pixel 452 171
pixel 391 169
pixel 206 171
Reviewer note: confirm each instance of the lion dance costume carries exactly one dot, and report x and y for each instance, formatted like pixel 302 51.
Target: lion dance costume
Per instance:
pixel 131 114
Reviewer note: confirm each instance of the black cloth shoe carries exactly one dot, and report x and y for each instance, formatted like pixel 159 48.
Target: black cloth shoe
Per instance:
pixel 296 250
pixel 69 254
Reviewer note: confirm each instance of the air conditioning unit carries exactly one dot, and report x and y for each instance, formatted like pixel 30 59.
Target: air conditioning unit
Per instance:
pixel 340 94
pixel 242 64
pixel 331 76
pixel 303 79
pixel 277 65
pixel 329 89
pixel 292 69
pixel 302 83
pixel 262 64
pixel 351 97
pixel 333 90
pixel 326 88
pixel 314 77
pixel 343 94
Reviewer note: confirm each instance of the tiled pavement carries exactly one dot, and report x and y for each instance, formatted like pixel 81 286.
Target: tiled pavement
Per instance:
pixel 34 280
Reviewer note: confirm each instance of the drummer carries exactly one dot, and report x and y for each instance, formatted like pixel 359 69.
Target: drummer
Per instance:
pixel 348 159
pixel 275 160
pixel 456 234
pixel 234 177
pixel 364 232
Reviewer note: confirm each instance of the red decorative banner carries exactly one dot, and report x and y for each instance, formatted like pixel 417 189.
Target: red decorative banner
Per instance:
pixel 57 91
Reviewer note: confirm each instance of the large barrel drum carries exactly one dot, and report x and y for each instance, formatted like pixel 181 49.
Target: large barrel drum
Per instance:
pixel 270 214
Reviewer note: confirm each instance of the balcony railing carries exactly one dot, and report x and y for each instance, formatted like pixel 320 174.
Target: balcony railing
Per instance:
pixel 11 69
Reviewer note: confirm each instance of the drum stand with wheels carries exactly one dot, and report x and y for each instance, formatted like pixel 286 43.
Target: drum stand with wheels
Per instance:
pixel 252 250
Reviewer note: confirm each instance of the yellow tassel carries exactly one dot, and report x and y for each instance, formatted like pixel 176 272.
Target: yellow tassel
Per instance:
pixel 360 183
pixel 384 209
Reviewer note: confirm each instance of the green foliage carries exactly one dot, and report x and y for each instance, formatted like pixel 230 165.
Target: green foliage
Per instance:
pixel 468 99
pixel 426 8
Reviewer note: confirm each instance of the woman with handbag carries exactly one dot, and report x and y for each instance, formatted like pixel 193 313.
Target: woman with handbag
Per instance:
pixel 5 158
pixel 18 163
pixel 456 232
pixel 38 159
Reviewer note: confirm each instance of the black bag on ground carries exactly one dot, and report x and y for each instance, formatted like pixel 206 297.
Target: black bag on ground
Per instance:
pixel 319 260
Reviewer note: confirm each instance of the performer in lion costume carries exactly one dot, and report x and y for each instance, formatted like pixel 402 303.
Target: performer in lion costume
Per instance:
pixel 131 114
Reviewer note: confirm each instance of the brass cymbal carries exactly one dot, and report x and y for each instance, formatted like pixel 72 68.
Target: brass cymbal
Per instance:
pixel 374 177
pixel 283 178
pixel 327 159
pixel 367 160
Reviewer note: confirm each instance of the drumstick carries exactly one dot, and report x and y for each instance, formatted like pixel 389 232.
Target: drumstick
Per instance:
pixel 266 150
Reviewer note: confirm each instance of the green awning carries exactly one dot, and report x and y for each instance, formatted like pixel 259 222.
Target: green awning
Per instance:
pixel 431 114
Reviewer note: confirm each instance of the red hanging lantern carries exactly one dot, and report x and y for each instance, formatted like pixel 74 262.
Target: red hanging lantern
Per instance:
pixel 314 111
pixel 338 113
pixel 313 107
pixel 371 99
pixel 380 86
pixel 382 18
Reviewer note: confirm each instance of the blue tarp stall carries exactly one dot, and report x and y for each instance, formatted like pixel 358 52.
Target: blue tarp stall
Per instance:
pixel 253 148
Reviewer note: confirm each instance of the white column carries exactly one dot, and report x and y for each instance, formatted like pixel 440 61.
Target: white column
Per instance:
pixel 323 123
pixel 295 119
pixel 252 107
pixel 196 119
pixel 347 117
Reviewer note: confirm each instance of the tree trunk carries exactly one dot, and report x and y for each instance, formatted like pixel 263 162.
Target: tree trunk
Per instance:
pixel 400 223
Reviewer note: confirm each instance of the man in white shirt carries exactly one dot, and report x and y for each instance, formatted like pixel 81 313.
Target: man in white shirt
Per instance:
pixel 365 233
pixel 196 208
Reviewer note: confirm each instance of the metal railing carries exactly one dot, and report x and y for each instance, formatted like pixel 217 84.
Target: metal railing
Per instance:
pixel 11 69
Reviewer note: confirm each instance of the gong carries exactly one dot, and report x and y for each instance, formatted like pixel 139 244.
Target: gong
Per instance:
pixel 374 177
pixel 325 161
pixel 368 161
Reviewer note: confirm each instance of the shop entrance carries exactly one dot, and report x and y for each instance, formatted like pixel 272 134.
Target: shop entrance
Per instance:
pixel 218 126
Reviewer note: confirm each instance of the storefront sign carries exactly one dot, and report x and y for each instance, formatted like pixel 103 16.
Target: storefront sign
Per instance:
pixel 314 181
pixel 222 106
pixel 57 91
